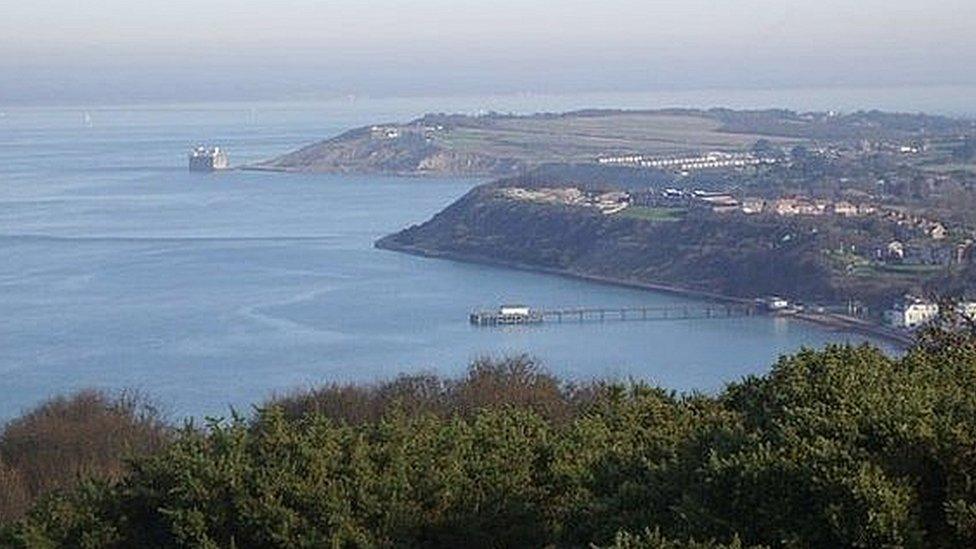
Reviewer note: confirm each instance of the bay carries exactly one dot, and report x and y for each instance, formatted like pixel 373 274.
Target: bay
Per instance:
pixel 120 270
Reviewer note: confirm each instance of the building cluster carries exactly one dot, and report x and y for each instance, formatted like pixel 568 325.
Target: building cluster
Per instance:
pixel 606 202
pixel 384 132
pixel 925 253
pixel 928 227
pixel 716 201
pixel 858 149
pixel 910 225
pixel 726 202
pixel 895 147
pixel 911 312
pixel 395 132
pixel 686 164
pixel 801 206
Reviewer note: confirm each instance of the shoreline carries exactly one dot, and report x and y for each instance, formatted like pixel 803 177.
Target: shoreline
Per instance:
pixel 832 321
pixel 411 174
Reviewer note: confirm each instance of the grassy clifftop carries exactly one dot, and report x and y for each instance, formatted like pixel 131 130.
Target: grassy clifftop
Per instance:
pixel 498 144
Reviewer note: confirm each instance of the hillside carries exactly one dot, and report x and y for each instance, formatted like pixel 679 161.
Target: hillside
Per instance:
pixel 732 255
pixel 498 144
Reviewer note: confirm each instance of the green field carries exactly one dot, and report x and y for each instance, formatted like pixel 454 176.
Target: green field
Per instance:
pixel 482 144
pixel 654 214
pixel 950 167
pixel 897 271
pixel 577 138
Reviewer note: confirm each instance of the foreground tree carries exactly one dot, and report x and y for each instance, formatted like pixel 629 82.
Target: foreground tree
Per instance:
pixel 844 447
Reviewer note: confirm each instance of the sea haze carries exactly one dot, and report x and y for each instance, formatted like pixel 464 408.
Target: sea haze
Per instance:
pixel 122 270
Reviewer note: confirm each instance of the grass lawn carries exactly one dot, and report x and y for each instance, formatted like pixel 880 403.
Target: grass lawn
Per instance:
pixel 900 271
pixel 654 214
pixel 583 138
pixel 951 167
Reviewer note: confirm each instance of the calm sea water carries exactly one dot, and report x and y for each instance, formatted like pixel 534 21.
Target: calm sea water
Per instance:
pixel 121 270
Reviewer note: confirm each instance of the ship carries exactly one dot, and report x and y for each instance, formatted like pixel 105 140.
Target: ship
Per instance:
pixel 208 159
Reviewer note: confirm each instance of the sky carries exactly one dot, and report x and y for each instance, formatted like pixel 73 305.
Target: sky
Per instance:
pixel 114 50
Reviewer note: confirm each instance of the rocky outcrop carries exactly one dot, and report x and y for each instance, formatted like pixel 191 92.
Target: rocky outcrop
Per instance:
pixel 409 153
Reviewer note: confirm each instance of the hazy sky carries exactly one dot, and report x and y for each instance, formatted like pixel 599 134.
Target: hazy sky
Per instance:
pixel 53 50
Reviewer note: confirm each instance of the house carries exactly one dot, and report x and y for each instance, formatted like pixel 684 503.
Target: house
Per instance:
pixel 612 202
pixel 963 252
pixel 911 312
pixel 785 206
pixel 845 209
pixel 895 250
pixel 810 207
pixel 718 202
pixel 804 207
pixel 866 209
pixel 819 207
pixel 384 132
pixel 936 231
pixel 752 205
pixel 967 309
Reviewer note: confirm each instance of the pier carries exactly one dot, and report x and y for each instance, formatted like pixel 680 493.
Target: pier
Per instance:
pixel 509 315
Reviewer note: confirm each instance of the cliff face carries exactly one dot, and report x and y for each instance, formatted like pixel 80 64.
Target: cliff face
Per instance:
pixel 735 256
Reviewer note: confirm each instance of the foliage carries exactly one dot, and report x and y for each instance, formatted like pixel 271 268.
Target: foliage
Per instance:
pixel 516 381
pixel 88 433
pixel 966 151
pixel 652 539
pixel 843 447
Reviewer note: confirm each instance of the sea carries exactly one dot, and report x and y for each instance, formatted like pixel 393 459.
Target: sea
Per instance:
pixel 122 271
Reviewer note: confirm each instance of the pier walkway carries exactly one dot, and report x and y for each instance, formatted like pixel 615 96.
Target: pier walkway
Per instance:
pixel 602 314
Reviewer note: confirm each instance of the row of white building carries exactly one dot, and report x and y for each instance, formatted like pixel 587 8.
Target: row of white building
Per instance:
pixel 710 160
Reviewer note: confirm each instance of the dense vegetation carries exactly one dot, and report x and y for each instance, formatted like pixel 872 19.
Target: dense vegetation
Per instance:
pixel 87 435
pixel 843 447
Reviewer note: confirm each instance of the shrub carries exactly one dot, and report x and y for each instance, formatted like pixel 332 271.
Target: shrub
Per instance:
pixel 843 447
pixel 87 434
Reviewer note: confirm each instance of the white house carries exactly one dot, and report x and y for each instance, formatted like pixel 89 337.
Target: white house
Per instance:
pixel 936 231
pixel 845 209
pixel 967 309
pixel 895 250
pixel 911 312
pixel 752 205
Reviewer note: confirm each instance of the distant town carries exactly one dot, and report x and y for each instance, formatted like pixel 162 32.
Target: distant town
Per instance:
pixel 866 217
pixel 855 220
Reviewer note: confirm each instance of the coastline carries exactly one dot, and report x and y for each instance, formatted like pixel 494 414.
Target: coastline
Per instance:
pixel 832 321
pixel 414 174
